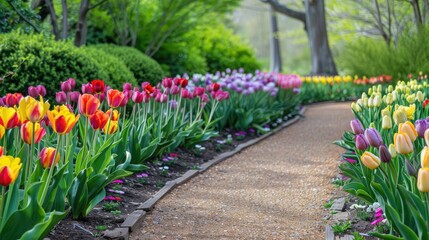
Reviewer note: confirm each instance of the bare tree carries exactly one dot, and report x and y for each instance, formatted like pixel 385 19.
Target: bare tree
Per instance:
pixel 276 59
pixel 314 22
pixel 125 17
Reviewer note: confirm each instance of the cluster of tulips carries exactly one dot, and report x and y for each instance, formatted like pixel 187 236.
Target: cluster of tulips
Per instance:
pixel 58 160
pixel 255 100
pixel 373 80
pixel 325 88
pixel 387 156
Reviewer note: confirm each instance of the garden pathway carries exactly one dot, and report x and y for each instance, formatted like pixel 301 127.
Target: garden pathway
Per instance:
pixel 272 190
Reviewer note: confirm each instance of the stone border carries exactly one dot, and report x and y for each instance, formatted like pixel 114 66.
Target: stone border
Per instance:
pixel 134 219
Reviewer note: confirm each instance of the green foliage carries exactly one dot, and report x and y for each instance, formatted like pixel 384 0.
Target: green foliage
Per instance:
pixel 116 75
pixel 223 49
pixel 143 67
pixel 372 57
pixel 35 59
pixel 341 227
pixel 12 16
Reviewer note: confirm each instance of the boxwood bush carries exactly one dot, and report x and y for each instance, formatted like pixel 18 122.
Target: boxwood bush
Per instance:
pixel 143 67
pixel 35 59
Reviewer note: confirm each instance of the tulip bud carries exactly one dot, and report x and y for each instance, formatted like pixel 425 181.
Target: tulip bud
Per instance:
pixel 392 150
pixel 379 88
pixel 1 151
pixel 411 170
pixel 127 86
pixel 400 115
pixel 423 180
pixel 420 96
pixel 356 107
pixel 174 90
pixel 47 156
pixel 384 154
pixel 371 102
pixel 390 88
pixel 403 143
pixel 9 169
pixel 408 128
pixel 72 82
pixel 387 122
pixel 33 91
pixel 87 88
pixel 370 160
pixel 361 142
pixel 389 99
pixel 66 86
pixel 42 90
pixel 61 97
pixel 377 101
pixel 421 126
pixel 74 96
pixel 373 137
pixel 356 126
pixel 167 82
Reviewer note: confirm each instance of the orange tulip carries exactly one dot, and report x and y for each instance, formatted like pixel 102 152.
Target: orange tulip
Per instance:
pixel 62 120
pixel 114 98
pixel 9 169
pixel 88 104
pixel 9 117
pixel 98 120
pixel 408 128
pixel 114 116
pixel 423 180
pixel 33 110
pixel 47 156
pixel 27 132
pixel 403 143
pixel 370 160
pixel 111 127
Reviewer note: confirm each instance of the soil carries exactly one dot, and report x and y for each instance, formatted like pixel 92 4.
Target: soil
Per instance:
pixel 136 189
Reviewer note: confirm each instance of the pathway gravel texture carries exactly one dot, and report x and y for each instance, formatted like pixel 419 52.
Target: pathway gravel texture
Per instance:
pixel 272 190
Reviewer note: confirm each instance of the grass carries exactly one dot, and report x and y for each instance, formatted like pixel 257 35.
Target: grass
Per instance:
pixel 328 204
pixel 341 227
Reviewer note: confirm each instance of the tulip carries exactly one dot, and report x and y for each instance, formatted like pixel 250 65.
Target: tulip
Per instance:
pixel 410 110
pixel 1 151
pixel 66 86
pixel 392 150
pixel 370 160
pixel 9 117
pixel 183 82
pixel 111 127
pixel 174 90
pixel 411 170
pixel 61 97
pixel 33 91
pixel 42 90
pixel 88 104
pixel 386 122
pixel 425 103
pixel 385 112
pixel 373 137
pixel 74 96
pixel 384 154
pixel 98 86
pixel 403 143
pixel 361 142
pixel 408 128
pixel 62 119
pixel 147 87
pixel 87 88
pixel 27 132
pixel 72 82
pixel 12 100
pixel 423 180
pixel 114 98
pixel 99 119
pixel 9 169
pixel 400 115
pixel 47 156
pixel 2 131
pixel 199 91
pixel 356 107
pixel 420 96
pixel 356 126
pixel 421 126
pixel 167 82
pixel 33 110
pixel 185 93
pixel 411 98
pixel 127 87
pixel 137 96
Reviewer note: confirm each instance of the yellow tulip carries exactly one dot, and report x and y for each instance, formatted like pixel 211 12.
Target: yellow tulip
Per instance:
pixel 32 110
pixel 410 110
pixel 424 157
pixel 426 136
pixel 423 180
pixel 411 98
pixel 62 120
pixel 385 112
pixel 420 96
pixel 403 143
pixel 400 115
pixel 408 128
pixel 370 160
pixel 392 150
pixel 377 101
pixel 356 107
pixel 111 127
pixel 387 122
pixel 9 169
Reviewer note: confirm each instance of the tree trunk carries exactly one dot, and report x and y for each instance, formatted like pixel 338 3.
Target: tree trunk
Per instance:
pixel 321 56
pixel 82 24
pixel 417 13
pixel 54 22
pixel 276 60
pixel 64 20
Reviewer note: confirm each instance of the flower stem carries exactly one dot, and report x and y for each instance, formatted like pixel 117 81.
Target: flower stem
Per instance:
pixel 3 196
pixel 51 170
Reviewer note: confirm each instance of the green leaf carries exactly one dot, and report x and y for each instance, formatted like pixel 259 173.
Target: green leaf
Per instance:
pixel 385 236
pixel 403 229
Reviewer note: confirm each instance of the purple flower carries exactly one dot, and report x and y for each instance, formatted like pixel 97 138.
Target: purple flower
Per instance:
pixel 33 91
pixel 421 126
pixel 118 181
pixel 373 137
pixel 384 154
pixel 142 175
pixel 356 126
pixel 61 97
pixel 361 142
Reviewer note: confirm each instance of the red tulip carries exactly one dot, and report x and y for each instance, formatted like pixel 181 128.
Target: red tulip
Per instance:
pixel 88 104
pixel 98 86
pixel 27 132
pixel 115 98
pixel 12 100
pixel 98 120
pixel 47 156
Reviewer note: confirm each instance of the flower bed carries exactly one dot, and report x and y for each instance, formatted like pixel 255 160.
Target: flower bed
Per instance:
pixel 61 161
pixel 386 158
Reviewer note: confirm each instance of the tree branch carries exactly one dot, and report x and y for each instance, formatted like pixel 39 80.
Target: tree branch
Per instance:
pixel 97 4
pixel 22 16
pixel 285 10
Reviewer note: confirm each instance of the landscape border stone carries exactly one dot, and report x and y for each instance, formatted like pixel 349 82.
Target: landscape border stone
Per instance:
pixel 135 218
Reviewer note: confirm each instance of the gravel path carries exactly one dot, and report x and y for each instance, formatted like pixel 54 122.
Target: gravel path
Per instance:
pixel 272 190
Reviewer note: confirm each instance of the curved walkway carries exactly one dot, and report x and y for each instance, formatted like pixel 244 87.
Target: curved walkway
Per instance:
pixel 272 190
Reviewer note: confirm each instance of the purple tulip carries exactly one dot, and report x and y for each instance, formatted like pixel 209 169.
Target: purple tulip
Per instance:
pixel 72 82
pixel 373 137
pixel 356 126
pixel 33 92
pixel 421 126
pixel 174 90
pixel 127 87
pixel 61 97
pixel 42 90
pixel 205 98
pixel 137 97
pixel 66 86
pixel 361 142
pixel 167 82
pixel 384 154
pixel 74 96
pixel 163 98
pixel 87 88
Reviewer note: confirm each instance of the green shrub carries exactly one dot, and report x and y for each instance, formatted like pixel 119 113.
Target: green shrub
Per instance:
pixel 118 73
pixel 372 57
pixel 35 59
pixel 143 67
